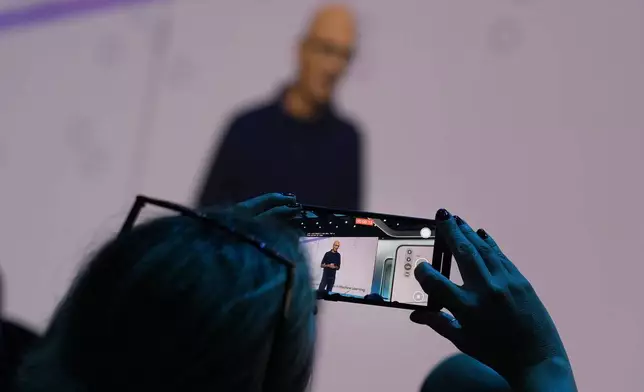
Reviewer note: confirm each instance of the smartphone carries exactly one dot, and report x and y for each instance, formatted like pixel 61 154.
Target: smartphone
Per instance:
pixel 369 258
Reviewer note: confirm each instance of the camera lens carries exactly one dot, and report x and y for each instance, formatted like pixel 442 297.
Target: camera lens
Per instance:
pixel 408 258
pixel 407 267
pixel 408 251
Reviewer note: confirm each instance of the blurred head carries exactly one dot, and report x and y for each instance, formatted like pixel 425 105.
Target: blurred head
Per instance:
pixel 179 305
pixel 336 246
pixel 325 52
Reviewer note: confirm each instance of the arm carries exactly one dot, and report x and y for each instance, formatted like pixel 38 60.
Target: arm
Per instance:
pixel 554 374
pixel 219 186
pixel 324 263
pixel 508 327
pixel 337 267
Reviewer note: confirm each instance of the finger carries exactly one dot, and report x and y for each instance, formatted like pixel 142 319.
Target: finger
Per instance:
pixel 266 202
pixel 470 263
pixel 444 324
pixel 507 264
pixel 281 212
pixel 489 256
pixel 440 289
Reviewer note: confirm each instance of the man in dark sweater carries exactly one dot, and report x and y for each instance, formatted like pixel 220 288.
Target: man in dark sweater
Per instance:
pixel 297 143
pixel 330 265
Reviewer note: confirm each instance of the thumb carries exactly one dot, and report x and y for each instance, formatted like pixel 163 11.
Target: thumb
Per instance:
pixel 443 323
pixel 440 289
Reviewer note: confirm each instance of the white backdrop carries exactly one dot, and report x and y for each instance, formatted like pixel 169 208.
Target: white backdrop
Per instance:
pixel 523 116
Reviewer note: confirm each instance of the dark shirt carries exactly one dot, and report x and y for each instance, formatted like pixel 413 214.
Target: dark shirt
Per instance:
pixel 15 341
pixel 266 150
pixel 331 257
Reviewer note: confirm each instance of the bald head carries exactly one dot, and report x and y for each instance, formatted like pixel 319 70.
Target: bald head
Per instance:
pixel 336 245
pixel 335 22
pixel 325 51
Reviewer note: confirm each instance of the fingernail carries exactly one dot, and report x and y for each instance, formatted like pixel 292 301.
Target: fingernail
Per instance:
pixel 458 220
pixel 482 233
pixel 288 194
pixel 442 215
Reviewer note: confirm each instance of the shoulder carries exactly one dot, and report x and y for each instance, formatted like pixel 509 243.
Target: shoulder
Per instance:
pixel 243 125
pixel 247 122
pixel 252 114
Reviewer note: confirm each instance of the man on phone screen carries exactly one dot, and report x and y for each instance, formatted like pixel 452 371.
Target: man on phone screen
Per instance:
pixel 330 264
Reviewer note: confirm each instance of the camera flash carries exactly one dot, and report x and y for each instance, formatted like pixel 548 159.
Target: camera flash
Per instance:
pixel 425 232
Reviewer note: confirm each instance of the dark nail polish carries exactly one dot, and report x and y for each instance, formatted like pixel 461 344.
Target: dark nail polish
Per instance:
pixel 442 215
pixel 458 220
pixel 288 194
pixel 482 233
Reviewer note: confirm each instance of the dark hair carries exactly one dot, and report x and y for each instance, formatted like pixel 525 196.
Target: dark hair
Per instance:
pixel 177 304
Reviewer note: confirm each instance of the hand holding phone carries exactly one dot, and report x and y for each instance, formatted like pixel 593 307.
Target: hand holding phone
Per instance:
pixel 497 316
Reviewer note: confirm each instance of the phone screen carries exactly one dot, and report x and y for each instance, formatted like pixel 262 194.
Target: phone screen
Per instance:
pixel 375 256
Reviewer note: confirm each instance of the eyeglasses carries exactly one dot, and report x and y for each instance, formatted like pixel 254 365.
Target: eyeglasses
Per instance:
pixel 330 50
pixel 142 201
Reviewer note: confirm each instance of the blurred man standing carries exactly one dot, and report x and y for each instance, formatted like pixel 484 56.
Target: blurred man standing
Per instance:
pixel 296 143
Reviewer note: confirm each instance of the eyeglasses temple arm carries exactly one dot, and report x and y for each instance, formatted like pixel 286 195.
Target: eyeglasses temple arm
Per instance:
pixel 133 214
